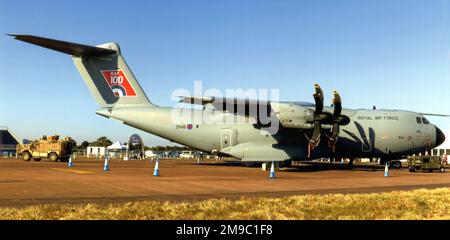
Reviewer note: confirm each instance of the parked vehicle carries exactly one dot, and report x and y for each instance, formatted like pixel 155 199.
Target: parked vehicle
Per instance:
pixel 187 154
pixel 48 147
pixel 423 163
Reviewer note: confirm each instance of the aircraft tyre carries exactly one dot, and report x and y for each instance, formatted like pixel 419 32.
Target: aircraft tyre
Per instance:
pixel 396 164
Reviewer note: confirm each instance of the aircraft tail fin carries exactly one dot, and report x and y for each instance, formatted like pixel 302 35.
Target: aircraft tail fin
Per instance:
pixel 103 69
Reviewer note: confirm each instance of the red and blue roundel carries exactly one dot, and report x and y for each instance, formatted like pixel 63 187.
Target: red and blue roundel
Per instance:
pixel 118 83
pixel 189 126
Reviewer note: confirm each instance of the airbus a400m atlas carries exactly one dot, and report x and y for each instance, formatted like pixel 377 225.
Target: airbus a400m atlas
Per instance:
pixel 304 130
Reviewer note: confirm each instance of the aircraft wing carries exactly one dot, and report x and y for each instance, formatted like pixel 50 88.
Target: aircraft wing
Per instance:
pixel 246 107
pixel 434 115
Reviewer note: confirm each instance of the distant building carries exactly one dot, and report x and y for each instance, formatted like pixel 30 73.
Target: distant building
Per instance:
pixel 93 151
pixel 8 142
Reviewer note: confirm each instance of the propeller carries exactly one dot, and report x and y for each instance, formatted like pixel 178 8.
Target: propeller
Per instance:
pixel 318 98
pixel 320 117
pixel 338 120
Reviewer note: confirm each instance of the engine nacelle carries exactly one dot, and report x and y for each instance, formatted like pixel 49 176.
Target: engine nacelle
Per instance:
pixel 292 115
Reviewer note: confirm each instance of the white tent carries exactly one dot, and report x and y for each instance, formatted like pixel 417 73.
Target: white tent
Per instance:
pixel 116 149
pixel 117 146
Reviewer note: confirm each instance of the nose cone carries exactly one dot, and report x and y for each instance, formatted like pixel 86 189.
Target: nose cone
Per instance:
pixel 440 137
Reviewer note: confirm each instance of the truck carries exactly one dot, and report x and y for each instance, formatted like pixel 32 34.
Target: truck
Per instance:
pixel 50 147
pixel 425 163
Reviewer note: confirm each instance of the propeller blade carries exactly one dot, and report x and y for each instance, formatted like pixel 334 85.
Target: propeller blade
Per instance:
pixel 334 137
pixel 315 139
pixel 337 103
pixel 334 132
pixel 318 98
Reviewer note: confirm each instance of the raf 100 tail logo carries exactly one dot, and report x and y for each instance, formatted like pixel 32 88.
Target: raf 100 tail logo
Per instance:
pixel 118 83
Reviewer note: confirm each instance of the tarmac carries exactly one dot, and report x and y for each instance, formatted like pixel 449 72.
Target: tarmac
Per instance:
pixel 27 183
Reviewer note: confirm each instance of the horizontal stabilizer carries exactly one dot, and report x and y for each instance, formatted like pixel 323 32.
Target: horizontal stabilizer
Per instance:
pixel 196 99
pixel 73 49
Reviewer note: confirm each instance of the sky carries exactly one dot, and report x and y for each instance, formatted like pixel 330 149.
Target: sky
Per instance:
pixel 394 54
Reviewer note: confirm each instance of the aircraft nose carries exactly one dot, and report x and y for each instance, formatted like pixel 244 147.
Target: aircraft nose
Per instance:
pixel 440 137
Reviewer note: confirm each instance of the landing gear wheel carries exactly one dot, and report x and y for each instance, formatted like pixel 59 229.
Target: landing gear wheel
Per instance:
pixel 441 169
pixel 26 156
pixel 350 163
pixel 53 157
pixel 396 164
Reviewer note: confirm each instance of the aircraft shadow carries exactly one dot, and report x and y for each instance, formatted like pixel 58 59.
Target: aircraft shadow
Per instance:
pixel 316 167
pixel 304 167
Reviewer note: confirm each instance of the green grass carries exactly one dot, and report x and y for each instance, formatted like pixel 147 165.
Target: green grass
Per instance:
pixel 418 204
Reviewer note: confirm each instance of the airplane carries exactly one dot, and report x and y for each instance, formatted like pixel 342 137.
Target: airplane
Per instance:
pixel 304 131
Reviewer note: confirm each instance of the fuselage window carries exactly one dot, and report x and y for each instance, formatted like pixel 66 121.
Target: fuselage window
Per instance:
pixel 419 120
pixel 425 121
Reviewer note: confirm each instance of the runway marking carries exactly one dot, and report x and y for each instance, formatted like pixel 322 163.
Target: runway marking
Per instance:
pixel 73 170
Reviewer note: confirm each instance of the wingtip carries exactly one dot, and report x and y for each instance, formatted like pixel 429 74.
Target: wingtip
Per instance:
pixel 15 36
pixel 434 115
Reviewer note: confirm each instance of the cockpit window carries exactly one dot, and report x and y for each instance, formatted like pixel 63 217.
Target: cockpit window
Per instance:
pixel 419 120
pixel 425 121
